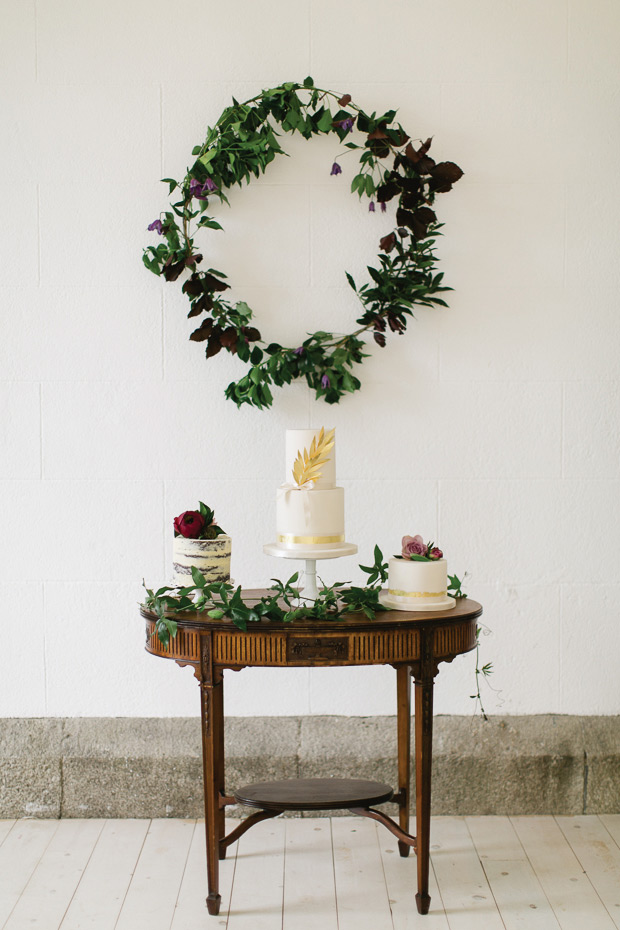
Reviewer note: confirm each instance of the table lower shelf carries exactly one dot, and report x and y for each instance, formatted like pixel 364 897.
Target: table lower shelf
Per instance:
pixel 314 794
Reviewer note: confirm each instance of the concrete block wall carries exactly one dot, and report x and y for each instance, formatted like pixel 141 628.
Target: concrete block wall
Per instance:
pixel 491 427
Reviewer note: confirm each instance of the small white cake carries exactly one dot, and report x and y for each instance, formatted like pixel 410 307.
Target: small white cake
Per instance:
pixel 311 512
pixel 416 585
pixel 209 556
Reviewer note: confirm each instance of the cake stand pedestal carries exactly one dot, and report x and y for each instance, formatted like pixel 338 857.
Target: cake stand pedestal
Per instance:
pixel 310 555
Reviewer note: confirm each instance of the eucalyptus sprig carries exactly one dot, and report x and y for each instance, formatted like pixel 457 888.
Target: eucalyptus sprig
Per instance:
pixel 242 143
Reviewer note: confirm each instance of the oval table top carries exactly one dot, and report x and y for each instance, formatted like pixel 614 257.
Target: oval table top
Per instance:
pixel 393 636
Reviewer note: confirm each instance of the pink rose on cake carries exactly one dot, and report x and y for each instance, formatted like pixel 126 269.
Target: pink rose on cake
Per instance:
pixel 416 550
pixel 413 545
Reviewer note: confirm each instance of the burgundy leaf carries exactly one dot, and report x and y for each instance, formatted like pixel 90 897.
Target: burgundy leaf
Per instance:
pixel 425 165
pixel 425 215
pixel 212 283
pixel 344 100
pixel 444 175
pixel 193 286
pixel 379 338
pixel 446 171
pixel 213 346
pixel 411 201
pixel 251 333
pixel 411 185
pixel 386 191
pixel 229 337
pixel 172 270
pixel 396 325
pixel 203 332
pixel 387 243
pixel 203 303
pixel 405 218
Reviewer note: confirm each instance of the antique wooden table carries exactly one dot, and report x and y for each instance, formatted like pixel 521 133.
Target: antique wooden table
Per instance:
pixel 413 643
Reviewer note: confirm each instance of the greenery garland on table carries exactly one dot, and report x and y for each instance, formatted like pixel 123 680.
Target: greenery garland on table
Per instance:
pixel 222 599
pixel 241 144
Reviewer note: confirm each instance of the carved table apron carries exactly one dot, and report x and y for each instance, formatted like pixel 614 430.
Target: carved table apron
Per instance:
pixel 413 643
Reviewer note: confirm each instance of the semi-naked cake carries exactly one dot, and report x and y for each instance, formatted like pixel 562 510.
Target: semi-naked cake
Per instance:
pixel 309 506
pixel 209 556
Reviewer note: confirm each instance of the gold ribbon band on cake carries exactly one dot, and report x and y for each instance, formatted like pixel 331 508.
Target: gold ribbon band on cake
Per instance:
pixel 394 593
pixel 309 540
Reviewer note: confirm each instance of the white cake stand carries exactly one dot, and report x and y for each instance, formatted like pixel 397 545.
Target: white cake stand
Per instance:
pixel 310 554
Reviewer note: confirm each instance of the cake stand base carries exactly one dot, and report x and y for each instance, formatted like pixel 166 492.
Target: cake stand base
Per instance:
pixel 446 604
pixel 310 555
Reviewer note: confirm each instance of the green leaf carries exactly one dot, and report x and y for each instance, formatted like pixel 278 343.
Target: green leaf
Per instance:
pixel 350 280
pixel 217 613
pixel 199 579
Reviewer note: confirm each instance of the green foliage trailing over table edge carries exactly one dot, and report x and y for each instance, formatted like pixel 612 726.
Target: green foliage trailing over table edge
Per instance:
pixel 242 143
pixel 283 603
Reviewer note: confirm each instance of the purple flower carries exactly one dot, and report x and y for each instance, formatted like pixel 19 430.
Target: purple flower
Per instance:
pixel 371 206
pixel 346 124
pixel 325 381
pixel 157 226
pixel 299 350
pixel 383 207
pixel 413 545
pixel 201 191
pixel 435 553
pixel 336 169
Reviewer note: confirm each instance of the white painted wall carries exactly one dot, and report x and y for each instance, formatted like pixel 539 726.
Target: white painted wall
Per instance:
pixel 491 427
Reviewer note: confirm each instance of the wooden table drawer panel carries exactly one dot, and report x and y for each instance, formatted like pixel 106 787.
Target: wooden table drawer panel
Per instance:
pixel 385 647
pixel 236 648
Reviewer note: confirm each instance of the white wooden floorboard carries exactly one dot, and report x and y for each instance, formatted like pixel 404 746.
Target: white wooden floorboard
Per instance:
pixel 599 856
pixel 19 856
pixel 518 894
pixel 152 894
pixel 191 906
pixel 257 893
pixel 99 897
pixel 5 828
pixel 568 889
pixel 361 891
pixel 495 838
pixel 611 823
pixel 465 891
pixel 309 890
pixel 48 894
pixel 401 881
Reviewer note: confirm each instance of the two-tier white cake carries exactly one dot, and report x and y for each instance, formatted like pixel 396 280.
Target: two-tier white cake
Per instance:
pixel 309 506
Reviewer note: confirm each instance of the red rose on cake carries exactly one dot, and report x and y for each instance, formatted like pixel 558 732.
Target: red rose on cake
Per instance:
pixel 189 524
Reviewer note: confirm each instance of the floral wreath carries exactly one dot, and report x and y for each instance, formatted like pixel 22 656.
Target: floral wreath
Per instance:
pixel 242 143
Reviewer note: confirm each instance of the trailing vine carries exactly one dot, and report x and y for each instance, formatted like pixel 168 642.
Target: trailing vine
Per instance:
pixel 242 143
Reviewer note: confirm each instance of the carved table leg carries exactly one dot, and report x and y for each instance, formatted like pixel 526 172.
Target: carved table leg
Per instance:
pixel 424 672
pixel 217 717
pixel 209 704
pixel 403 703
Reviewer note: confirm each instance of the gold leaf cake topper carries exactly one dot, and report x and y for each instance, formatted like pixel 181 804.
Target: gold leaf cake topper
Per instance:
pixel 308 463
